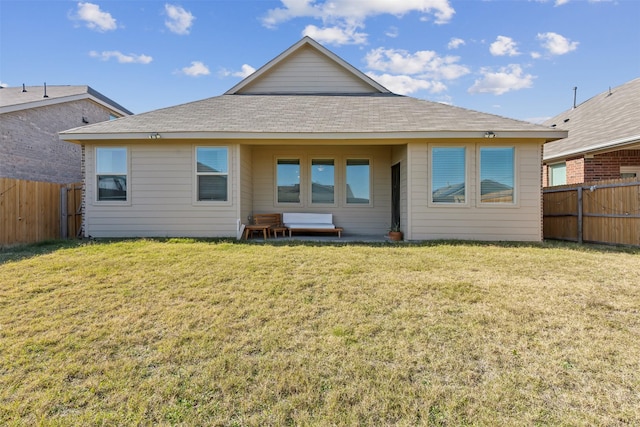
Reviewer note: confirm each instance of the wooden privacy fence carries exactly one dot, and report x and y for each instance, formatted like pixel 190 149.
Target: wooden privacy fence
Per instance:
pixel 32 211
pixel 598 212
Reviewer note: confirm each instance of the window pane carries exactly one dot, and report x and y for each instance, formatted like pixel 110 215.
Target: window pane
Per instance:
pixel 288 172
pixel 322 181
pixel 111 161
pixel 112 187
pixel 358 183
pixel 558 174
pixel 212 187
pixel 212 159
pixel 497 175
pixel 448 178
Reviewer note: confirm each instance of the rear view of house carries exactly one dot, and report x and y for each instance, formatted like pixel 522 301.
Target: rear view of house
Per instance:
pixel 308 132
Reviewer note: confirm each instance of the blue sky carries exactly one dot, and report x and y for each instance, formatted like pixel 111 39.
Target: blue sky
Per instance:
pixel 515 58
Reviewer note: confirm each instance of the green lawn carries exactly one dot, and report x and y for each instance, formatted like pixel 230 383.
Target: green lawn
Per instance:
pixel 226 333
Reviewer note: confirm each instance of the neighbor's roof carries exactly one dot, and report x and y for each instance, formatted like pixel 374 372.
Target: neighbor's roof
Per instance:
pixel 608 121
pixel 311 116
pixel 19 98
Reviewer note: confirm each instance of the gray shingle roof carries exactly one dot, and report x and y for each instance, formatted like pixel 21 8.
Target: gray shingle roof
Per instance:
pixel 13 98
pixel 607 120
pixel 308 114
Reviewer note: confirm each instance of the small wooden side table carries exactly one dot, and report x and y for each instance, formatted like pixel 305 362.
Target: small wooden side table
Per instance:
pixel 256 227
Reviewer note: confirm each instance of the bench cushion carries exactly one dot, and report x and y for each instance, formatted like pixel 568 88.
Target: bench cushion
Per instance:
pixel 307 218
pixel 318 226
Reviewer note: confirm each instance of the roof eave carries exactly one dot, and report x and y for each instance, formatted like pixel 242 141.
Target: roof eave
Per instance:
pixel 603 147
pixel 544 136
pixel 64 99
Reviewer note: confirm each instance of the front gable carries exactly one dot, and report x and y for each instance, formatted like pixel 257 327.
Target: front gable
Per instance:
pixel 307 68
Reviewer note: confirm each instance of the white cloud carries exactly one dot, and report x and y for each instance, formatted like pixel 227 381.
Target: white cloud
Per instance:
pixel 351 14
pixel 405 85
pixel 196 69
pixel 245 71
pixel 536 55
pixel 563 2
pixel 504 46
pixel 557 44
pixel 95 18
pixel 425 63
pixel 356 9
pixel 392 32
pixel 132 58
pixel 455 43
pixel 335 35
pixel 179 20
pixel 505 80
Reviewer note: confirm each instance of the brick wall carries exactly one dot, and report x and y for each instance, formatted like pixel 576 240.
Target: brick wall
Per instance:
pixel 575 170
pixel 30 148
pixel 607 166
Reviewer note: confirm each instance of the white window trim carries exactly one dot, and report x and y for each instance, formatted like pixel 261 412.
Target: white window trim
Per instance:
pixel 344 182
pixel 303 188
pixel 630 169
pixel 550 174
pixel 516 180
pixel 467 172
pixel 96 201
pixel 195 174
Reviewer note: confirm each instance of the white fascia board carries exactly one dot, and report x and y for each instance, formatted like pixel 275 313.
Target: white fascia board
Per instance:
pixel 369 136
pixel 601 147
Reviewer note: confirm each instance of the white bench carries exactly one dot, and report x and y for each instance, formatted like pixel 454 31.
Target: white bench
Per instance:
pixel 310 223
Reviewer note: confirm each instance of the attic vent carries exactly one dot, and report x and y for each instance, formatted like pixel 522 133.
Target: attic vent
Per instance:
pixel 566 120
pixel 553 125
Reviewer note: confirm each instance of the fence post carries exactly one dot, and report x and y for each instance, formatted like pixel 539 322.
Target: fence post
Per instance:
pixel 64 233
pixel 580 215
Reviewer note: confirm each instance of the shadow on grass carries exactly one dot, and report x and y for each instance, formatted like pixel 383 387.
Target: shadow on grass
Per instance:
pixel 21 252
pixel 546 244
pixel 25 251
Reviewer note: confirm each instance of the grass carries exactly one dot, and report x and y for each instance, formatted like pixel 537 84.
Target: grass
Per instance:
pixel 223 333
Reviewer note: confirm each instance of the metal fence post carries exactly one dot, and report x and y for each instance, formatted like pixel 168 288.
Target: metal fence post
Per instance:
pixel 580 215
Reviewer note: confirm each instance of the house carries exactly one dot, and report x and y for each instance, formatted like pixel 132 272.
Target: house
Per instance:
pixel 30 119
pixel 603 141
pixel 308 132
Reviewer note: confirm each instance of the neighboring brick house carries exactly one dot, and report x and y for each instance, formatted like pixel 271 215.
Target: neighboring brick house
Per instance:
pixel 30 119
pixel 603 141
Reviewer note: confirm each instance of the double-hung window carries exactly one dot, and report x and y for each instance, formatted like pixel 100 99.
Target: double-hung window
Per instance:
pixel 288 179
pixel 111 174
pixel 212 174
pixel 448 175
pixel 497 175
pixel 322 181
pixel 358 182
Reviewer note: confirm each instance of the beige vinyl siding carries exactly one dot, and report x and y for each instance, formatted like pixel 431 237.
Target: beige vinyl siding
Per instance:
pixel 307 71
pixel 514 222
pixel 246 184
pixel 161 201
pixel 356 220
